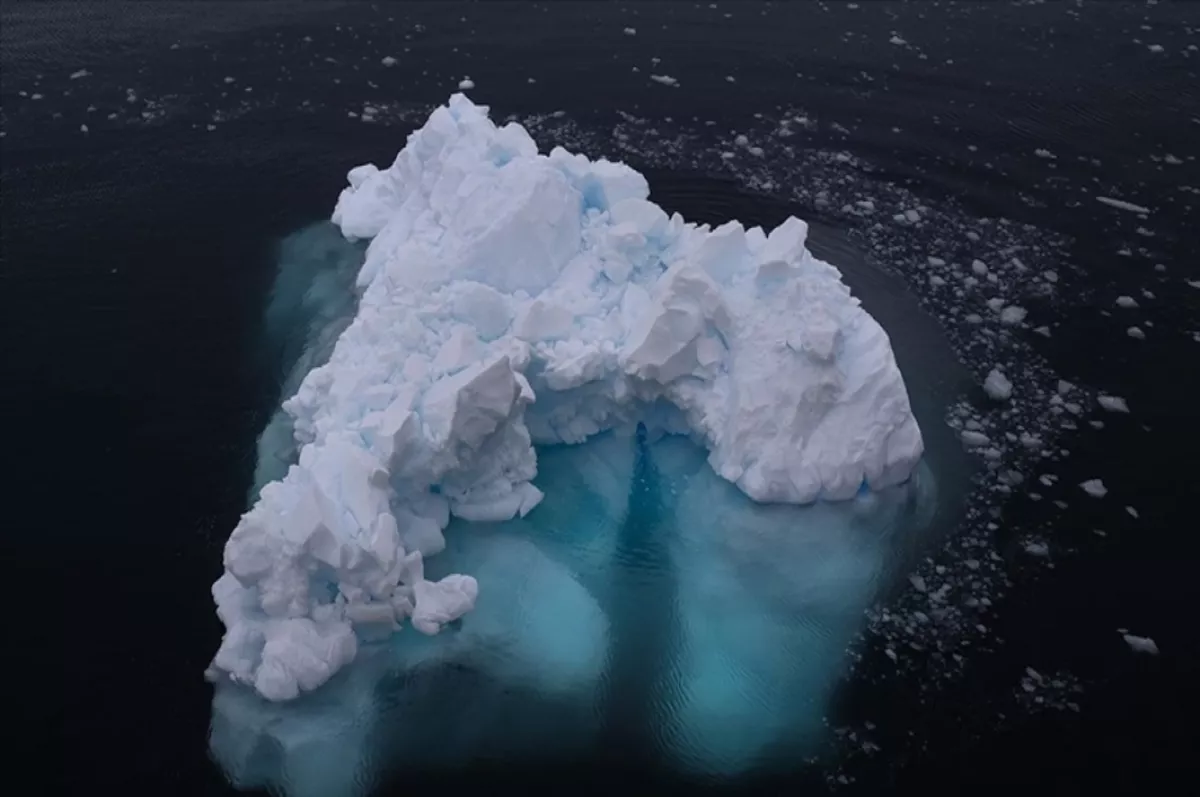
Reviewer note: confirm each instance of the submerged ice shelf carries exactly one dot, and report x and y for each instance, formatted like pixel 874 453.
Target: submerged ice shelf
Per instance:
pixel 510 299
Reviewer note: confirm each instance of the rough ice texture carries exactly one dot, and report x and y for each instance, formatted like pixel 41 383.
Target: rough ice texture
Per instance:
pixel 510 298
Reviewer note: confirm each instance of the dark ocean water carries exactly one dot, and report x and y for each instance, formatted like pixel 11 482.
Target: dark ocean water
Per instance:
pixel 140 259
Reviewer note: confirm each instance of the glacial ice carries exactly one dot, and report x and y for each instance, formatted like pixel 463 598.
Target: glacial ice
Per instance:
pixel 509 298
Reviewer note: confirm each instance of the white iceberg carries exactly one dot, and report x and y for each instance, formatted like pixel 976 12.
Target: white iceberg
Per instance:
pixel 510 298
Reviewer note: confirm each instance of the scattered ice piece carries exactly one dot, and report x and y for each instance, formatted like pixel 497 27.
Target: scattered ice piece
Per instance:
pixel 979 267
pixel 1128 302
pixel 1012 315
pixel 1037 549
pixel 1121 204
pixel 83 128
pixel 1136 333
pixel 666 80
pixel 973 438
pixel 1112 403
pixel 1045 153
pixel 1141 644
pixel 897 41
pixel 229 79
pixel 465 84
pixel 730 79
pixel 388 60
pixel 631 31
pixel 1133 513
pixel 912 215
pixel 1155 48
pixel 918 583
pixel 81 73
pixel 997 385
pixel 1095 488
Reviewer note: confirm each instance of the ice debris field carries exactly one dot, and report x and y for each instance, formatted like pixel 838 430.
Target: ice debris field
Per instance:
pixel 510 299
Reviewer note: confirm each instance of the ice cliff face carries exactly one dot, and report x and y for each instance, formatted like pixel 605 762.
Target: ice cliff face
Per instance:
pixel 511 298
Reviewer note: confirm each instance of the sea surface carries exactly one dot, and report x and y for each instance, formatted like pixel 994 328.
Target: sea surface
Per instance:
pixel 168 170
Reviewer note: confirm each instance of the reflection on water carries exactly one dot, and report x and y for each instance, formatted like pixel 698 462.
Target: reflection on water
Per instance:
pixel 646 612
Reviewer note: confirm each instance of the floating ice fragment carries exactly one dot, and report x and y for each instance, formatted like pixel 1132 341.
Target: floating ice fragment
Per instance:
pixel 1141 644
pixel 1039 549
pixel 997 385
pixel 973 438
pixel 666 80
pixel 1095 488
pixel 1121 204
pixel 1012 315
pixel 1112 403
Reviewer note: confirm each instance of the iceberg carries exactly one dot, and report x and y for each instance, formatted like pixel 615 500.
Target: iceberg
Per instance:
pixel 509 299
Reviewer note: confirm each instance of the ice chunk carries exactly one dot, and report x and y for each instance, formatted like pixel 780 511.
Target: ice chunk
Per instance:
pixel 1141 644
pixel 507 297
pixel 1112 403
pixel 974 438
pixel 436 604
pixel 997 386
pixel 1012 315
pixel 1121 204
pixel 1095 488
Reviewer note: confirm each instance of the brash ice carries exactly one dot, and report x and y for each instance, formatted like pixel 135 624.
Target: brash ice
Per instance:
pixel 509 299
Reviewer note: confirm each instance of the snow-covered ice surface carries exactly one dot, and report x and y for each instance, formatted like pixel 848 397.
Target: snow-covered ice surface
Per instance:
pixel 509 298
